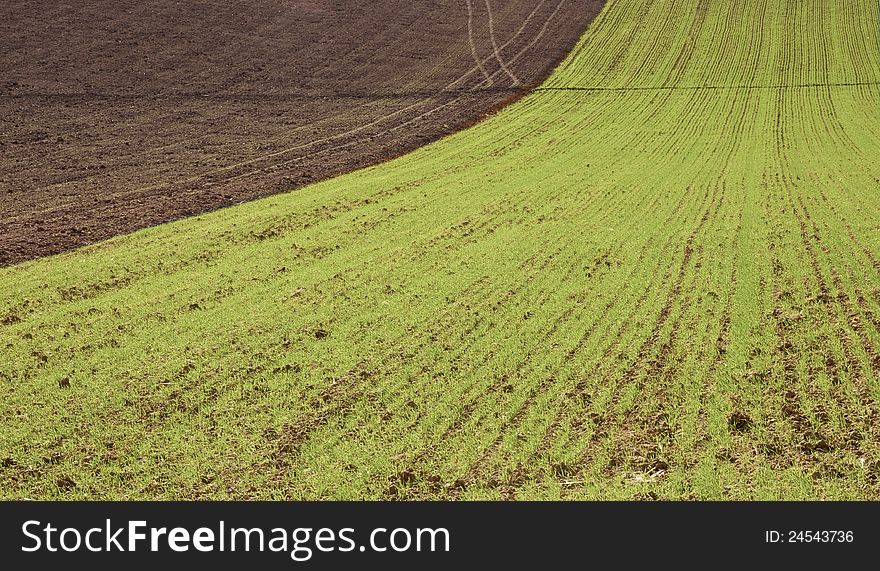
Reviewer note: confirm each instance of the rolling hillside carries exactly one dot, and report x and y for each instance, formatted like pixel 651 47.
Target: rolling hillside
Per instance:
pixel 657 276
pixel 117 115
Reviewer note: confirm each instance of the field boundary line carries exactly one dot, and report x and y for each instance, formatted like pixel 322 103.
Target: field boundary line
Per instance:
pixel 712 87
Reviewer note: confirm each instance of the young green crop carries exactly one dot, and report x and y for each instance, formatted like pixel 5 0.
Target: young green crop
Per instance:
pixel 656 276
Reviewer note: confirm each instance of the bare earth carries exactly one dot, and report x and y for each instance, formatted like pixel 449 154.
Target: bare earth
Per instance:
pixel 116 115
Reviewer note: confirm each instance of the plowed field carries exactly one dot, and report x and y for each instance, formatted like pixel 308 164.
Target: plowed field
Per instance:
pixel 655 276
pixel 116 114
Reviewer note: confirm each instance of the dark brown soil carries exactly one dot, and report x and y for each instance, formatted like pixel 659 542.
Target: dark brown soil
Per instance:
pixel 120 114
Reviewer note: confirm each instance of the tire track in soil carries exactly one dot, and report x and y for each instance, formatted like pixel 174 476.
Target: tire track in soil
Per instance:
pixel 427 97
pixel 495 49
pixel 513 38
pixel 530 45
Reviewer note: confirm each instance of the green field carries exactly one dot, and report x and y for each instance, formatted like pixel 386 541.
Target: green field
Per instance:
pixel 657 276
